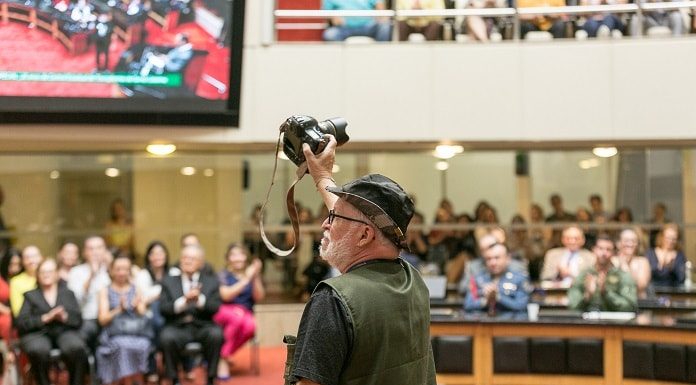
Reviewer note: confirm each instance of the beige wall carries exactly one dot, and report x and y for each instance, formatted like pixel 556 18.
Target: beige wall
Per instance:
pixel 31 201
pixel 168 204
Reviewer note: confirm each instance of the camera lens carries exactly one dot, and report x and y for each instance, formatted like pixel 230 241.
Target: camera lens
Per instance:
pixel 337 128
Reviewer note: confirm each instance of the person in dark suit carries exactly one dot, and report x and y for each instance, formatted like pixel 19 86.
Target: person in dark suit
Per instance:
pixel 188 303
pixel 50 318
pixel 102 39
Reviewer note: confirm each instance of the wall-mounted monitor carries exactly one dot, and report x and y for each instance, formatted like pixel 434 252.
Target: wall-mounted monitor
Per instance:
pixel 168 62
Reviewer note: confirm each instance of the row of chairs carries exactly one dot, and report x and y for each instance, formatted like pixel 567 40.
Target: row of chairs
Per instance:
pixel 192 351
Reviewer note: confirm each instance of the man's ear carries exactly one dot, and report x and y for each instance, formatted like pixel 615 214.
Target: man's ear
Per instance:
pixel 367 235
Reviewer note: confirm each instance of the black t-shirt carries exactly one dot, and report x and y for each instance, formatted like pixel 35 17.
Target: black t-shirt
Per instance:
pixel 324 339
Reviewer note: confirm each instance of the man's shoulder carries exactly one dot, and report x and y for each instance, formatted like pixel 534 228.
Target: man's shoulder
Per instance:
pixel 555 252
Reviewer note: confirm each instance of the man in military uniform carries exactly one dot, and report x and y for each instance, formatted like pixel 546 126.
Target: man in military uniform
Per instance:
pixel 498 290
pixel 603 287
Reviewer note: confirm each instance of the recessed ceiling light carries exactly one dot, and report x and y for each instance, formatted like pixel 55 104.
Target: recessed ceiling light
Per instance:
pixel 55 174
pixel 605 152
pixel 188 170
pixel 112 172
pixel 160 149
pixel 336 168
pixel 208 172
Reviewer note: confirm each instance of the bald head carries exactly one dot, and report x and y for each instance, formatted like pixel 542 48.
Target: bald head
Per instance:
pixel 573 238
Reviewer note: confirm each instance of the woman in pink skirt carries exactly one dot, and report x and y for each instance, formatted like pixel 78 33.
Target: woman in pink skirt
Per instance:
pixel 240 289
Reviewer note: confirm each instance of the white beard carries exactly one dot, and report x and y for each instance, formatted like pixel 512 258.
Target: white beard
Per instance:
pixel 335 251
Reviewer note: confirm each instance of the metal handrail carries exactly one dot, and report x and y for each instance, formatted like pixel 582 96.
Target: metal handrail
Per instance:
pixel 577 9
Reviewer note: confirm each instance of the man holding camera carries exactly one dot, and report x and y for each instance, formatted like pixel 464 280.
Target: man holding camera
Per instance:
pixel 372 322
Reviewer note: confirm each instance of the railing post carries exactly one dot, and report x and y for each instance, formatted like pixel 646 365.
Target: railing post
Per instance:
pixel 268 19
pixel 516 25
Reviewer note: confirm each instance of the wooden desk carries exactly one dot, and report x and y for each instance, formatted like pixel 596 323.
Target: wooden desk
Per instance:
pixel 613 334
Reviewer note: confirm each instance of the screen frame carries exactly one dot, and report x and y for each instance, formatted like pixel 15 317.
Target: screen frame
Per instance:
pixel 227 118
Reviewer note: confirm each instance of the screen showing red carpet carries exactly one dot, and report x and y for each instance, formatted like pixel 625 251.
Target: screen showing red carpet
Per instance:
pixel 166 61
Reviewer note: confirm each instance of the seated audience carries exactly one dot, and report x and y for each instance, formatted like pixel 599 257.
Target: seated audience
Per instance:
pixel 559 215
pixel 50 318
pixel 477 265
pixel 464 249
pixel 667 262
pixel 344 27
pixel 554 24
pixel 240 288
pixel 518 243
pixel 602 24
pixel 599 215
pixel 563 264
pixel 188 303
pixel 149 284
pixel 671 19
pixel 498 290
pixel 441 242
pixel 603 287
pixel 430 27
pixel 26 280
pixel 631 261
pixel 123 352
pixel 86 281
pixel 416 239
pixel 68 257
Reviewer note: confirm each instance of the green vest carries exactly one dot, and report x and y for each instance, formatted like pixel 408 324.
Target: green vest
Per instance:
pixel 390 310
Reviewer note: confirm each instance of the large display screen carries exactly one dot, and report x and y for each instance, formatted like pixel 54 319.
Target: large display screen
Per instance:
pixel 173 62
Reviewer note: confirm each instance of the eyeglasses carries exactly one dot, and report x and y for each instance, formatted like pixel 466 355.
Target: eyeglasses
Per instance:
pixel 333 215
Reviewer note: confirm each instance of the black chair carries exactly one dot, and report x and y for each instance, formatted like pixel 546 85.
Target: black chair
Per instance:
pixel 638 360
pixel 548 355
pixel 453 354
pixel 670 362
pixel 510 355
pixel 691 366
pixel 586 357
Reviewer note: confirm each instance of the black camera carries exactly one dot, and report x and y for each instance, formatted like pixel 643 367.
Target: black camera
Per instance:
pixel 299 129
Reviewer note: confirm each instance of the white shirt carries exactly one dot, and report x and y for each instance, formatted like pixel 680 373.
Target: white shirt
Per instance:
pixel 89 300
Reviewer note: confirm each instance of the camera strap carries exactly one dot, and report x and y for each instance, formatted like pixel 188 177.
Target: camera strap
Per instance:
pixel 289 203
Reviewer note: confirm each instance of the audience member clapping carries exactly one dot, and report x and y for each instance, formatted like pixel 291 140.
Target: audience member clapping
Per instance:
pixel 10 264
pixel 149 284
pixel 539 238
pixel 667 262
pixel 630 260
pixel 26 280
pixel 50 318
pixel 125 339
pixel 86 281
pixel 603 287
pixel 188 303
pixel 240 288
pixel 563 264
pixel 68 257
pixel 498 289
pixel 483 28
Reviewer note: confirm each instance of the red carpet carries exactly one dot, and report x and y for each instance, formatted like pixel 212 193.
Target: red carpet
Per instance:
pixel 49 55
pixel 272 366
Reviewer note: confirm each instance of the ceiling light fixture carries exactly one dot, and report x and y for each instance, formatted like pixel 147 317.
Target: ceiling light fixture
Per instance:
pixel 447 151
pixel 605 152
pixel 160 149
